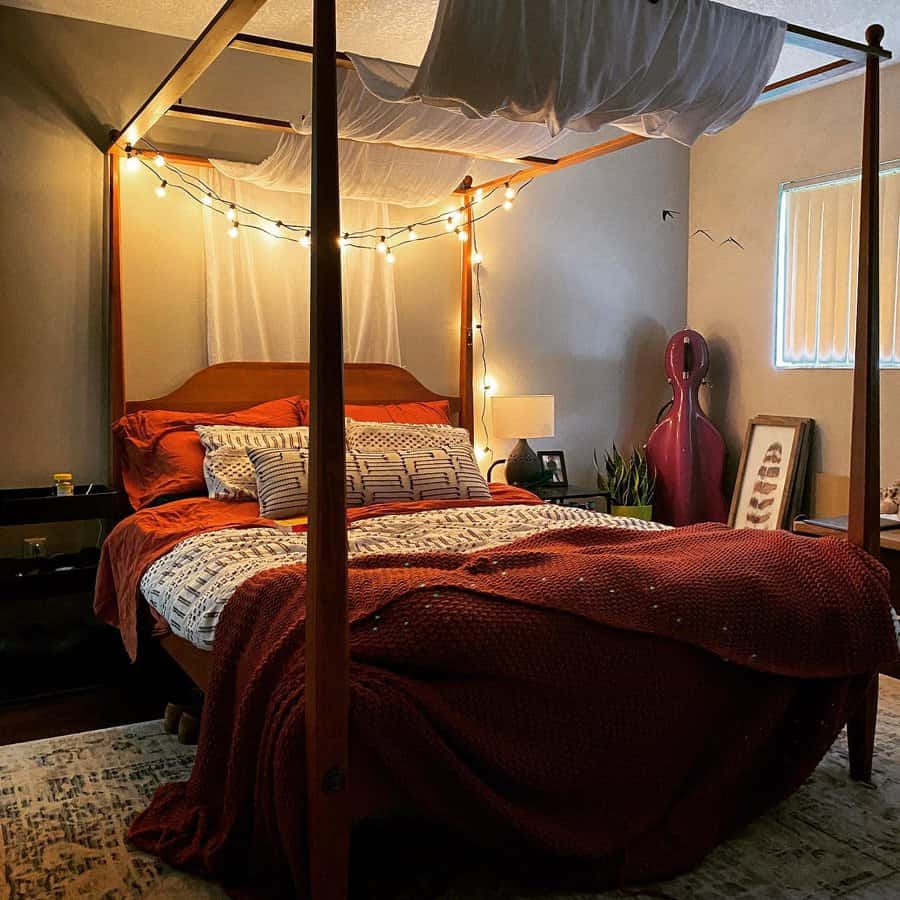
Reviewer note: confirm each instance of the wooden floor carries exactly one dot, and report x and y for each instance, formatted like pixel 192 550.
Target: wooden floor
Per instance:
pixel 86 710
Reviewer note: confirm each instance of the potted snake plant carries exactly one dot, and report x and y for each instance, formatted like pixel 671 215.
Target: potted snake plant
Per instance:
pixel 630 481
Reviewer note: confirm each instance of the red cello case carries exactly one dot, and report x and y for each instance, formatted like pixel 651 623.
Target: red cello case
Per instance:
pixel 685 448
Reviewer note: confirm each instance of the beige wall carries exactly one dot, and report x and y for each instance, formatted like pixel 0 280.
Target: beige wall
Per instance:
pixel 735 178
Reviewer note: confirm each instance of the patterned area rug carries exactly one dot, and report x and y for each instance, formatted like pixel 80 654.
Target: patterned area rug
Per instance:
pixel 65 804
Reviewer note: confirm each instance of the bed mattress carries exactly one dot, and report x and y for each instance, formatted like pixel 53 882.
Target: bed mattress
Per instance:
pixel 190 585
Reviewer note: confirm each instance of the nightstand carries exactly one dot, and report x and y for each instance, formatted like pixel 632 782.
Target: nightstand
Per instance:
pixel 50 642
pixel 571 495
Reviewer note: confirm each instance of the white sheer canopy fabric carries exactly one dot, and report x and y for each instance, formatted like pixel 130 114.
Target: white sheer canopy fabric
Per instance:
pixel 257 287
pixel 674 68
pixel 364 117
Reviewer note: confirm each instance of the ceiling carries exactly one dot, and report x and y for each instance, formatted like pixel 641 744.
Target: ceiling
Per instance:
pixel 399 29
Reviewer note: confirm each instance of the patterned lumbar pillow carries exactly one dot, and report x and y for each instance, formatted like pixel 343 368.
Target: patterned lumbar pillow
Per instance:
pixel 282 478
pixel 227 469
pixel 375 437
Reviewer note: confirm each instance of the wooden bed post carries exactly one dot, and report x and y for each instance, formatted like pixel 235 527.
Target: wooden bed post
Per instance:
pixel 466 396
pixel 863 526
pixel 116 336
pixel 327 655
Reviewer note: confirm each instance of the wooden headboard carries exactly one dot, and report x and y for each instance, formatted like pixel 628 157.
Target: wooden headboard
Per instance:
pixel 230 386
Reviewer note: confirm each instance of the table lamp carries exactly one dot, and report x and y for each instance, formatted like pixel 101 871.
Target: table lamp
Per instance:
pixel 521 417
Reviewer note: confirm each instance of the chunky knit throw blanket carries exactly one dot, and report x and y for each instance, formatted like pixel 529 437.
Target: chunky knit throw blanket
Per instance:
pixel 622 697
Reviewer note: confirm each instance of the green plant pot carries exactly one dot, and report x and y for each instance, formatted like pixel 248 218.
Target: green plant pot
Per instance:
pixel 633 512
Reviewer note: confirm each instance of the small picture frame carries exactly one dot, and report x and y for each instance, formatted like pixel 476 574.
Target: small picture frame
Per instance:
pixel 554 462
pixel 771 475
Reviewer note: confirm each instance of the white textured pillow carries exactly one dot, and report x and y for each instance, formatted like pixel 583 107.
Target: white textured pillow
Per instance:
pixel 375 437
pixel 227 468
pixel 282 478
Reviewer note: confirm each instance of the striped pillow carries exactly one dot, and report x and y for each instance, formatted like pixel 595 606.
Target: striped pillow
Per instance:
pixel 282 478
pixel 227 469
pixel 375 437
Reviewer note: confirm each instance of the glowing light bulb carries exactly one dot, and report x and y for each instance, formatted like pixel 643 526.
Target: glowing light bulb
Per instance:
pixel 462 235
pixel 207 200
pixel 160 189
pixel 274 228
pixel 233 231
pixel 411 234
pixel 159 160
pixel 477 258
pixel 479 195
pixel 449 224
pixel 507 204
pixel 231 213
pixel 344 239
pixel 389 257
pixel 509 193
pixel 382 246
pixel 132 163
pixel 304 239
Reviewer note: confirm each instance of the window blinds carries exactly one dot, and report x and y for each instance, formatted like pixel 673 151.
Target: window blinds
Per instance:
pixel 817 271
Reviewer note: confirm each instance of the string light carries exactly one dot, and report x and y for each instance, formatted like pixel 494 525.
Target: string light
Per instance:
pixel 509 193
pixel 507 205
pixel 378 238
pixel 477 259
pixel 159 160
pixel 233 231
pixel 389 257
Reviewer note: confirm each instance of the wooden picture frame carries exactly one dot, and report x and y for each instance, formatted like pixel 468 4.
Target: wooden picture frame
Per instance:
pixel 771 478
pixel 554 461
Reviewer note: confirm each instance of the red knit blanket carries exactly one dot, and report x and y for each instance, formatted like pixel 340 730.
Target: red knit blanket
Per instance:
pixel 626 697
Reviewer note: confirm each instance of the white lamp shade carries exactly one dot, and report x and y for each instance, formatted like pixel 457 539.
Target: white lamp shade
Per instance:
pixel 524 416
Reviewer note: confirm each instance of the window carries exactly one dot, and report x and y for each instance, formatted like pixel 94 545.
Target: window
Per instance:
pixel 818 239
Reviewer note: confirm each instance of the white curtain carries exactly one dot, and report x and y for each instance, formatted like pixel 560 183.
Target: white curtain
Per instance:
pixel 674 68
pixel 414 178
pixel 364 117
pixel 257 287
pixel 817 271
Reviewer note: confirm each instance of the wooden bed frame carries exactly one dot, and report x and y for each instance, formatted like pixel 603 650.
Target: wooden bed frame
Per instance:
pixel 327 664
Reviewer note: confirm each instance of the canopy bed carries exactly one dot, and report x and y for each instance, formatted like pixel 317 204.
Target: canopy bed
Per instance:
pixel 348 775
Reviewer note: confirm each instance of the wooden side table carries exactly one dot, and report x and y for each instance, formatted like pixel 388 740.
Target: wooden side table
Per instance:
pixel 50 642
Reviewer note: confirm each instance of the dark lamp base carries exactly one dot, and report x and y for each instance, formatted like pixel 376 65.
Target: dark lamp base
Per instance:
pixel 522 464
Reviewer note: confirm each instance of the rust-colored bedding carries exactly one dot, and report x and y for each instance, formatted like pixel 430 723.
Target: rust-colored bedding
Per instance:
pixel 622 697
pixel 143 537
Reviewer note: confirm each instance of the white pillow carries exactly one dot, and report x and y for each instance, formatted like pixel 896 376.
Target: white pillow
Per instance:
pixel 282 478
pixel 227 468
pixel 373 437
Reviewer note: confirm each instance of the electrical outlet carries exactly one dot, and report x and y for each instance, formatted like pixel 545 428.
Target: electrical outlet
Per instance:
pixel 35 548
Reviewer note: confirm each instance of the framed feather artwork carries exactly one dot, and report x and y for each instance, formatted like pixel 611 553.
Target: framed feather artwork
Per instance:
pixel 771 476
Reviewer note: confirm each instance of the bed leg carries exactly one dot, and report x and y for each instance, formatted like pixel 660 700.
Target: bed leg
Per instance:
pixel 861 733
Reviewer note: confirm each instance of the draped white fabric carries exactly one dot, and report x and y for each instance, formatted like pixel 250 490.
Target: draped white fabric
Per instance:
pixel 364 117
pixel 675 68
pixel 817 272
pixel 414 178
pixel 257 287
